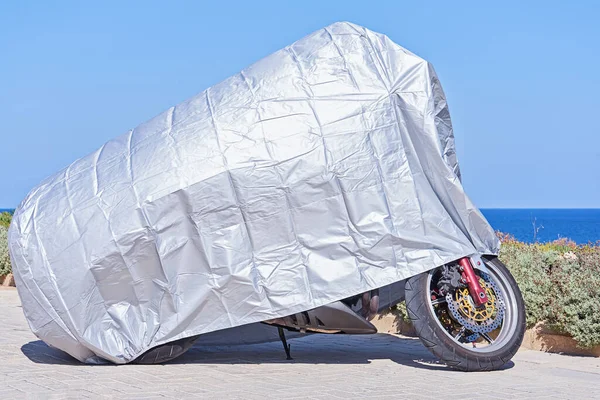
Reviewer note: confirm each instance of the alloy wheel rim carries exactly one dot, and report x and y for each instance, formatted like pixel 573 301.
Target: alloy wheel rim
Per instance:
pixel 496 339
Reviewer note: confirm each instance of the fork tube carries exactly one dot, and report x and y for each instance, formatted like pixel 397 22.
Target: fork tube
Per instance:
pixel 475 290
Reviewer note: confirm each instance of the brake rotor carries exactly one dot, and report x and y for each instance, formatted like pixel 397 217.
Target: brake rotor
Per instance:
pixel 482 319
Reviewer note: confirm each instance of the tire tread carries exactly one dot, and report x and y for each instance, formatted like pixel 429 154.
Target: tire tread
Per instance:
pixel 436 341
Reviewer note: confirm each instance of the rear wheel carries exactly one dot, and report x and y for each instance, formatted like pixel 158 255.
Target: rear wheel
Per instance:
pixel 464 336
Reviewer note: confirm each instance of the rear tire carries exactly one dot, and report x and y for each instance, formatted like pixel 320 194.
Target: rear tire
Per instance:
pixel 446 348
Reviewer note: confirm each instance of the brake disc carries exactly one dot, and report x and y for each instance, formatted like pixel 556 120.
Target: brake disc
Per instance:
pixel 477 320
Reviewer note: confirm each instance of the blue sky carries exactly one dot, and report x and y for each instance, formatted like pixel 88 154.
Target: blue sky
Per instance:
pixel 522 80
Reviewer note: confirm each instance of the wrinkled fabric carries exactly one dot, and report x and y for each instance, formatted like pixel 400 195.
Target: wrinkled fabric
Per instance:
pixel 322 171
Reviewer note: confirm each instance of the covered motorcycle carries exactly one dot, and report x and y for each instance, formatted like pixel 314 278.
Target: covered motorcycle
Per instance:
pixel 324 171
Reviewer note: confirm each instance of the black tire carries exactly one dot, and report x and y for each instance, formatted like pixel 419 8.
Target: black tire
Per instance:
pixel 442 345
pixel 166 352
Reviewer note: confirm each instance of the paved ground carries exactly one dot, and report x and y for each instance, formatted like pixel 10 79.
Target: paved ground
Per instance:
pixel 327 367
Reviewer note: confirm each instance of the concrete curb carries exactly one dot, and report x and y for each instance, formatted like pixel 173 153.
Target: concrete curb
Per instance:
pixel 7 280
pixel 541 338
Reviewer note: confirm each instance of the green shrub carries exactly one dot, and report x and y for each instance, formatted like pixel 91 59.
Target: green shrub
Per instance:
pixel 5 218
pixel 560 282
pixel 575 305
pixel 4 256
pixel 530 269
pixel 401 311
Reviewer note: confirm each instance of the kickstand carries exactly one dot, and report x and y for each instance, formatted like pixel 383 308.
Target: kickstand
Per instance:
pixel 286 346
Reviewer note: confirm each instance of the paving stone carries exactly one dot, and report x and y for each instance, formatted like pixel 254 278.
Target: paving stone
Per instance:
pixel 324 367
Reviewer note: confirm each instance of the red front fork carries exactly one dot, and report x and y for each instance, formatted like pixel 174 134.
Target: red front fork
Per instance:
pixel 477 293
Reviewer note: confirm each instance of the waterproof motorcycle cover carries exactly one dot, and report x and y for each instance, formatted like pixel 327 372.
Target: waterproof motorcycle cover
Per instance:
pixel 322 171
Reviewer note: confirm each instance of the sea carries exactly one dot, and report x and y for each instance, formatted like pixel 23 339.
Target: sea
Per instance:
pixel 543 224
pixel 581 225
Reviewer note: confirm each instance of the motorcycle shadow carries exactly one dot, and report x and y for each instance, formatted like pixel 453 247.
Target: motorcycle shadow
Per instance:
pixel 310 349
pixel 320 349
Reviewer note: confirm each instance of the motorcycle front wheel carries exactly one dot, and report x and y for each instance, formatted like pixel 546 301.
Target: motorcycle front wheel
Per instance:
pixel 461 335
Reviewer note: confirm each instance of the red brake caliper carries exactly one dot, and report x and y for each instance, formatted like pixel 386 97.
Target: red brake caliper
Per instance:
pixel 475 290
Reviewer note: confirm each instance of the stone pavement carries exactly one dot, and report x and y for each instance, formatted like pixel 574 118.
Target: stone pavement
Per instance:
pixel 324 367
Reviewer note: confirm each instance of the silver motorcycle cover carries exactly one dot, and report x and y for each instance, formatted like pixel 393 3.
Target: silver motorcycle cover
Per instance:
pixel 322 171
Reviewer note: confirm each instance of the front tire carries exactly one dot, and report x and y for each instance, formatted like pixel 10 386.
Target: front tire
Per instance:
pixel 437 334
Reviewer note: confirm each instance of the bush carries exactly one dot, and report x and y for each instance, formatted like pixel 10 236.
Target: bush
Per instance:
pixel 575 304
pixel 530 267
pixel 5 218
pixel 560 282
pixel 5 268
